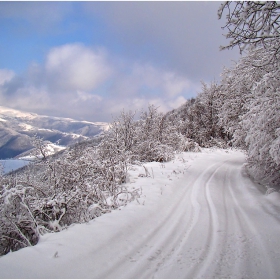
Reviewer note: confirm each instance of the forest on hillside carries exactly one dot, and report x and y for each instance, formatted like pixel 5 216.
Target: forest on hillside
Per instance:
pixel 86 180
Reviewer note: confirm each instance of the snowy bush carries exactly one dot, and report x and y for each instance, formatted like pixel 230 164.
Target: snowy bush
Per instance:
pixel 250 112
pixel 250 100
pixel 198 118
pixel 191 146
pixel 57 192
pixel 18 228
pixel 262 126
pixel 151 138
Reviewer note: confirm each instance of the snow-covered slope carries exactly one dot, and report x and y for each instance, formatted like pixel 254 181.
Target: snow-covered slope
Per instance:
pixel 199 217
pixel 17 128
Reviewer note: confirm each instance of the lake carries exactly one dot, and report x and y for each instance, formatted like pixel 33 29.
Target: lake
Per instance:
pixel 13 164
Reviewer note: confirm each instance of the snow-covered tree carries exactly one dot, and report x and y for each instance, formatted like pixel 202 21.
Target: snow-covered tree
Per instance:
pixel 41 151
pixel 198 118
pixel 250 109
pixel 250 113
pixel 208 101
pixel 262 126
pixel 254 24
pixel 157 137
pixel 236 90
pixel 122 131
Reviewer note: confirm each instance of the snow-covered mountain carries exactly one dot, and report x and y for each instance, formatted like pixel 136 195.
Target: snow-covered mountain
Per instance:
pixel 17 128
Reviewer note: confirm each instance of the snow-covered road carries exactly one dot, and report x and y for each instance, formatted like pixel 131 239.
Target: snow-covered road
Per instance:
pixel 199 217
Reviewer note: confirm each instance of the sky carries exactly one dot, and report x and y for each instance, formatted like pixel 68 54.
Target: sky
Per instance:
pixel 91 60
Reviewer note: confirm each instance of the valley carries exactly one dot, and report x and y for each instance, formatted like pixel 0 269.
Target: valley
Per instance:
pixel 17 129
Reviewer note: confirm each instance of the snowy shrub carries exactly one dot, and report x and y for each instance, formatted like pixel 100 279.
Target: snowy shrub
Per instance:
pixel 18 228
pixel 198 118
pixel 217 143
pixel 249 112
pixel 55 193
pixel 161 134
pixel 251 106
pixel 262 123
pixel 191 146
pixel 154 151
pixel 237 93
pixel 151 138
pixel 270 190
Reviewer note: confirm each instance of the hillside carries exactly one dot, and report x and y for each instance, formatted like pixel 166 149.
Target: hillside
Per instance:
pixel 17 128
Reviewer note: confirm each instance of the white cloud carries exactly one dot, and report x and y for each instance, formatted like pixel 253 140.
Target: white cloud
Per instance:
pixel 6 75
pixel 79 82
pixel 174 84
pixel 29 98
pixel 85 96
pixel 147 80
pixel 177 102
pixel 76 67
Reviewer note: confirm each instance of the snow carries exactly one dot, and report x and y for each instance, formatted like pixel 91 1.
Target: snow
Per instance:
pixel 15 113
pixel 75 135
pixel 199 216
pixel 28 158
pixel 105 126
pixel 26 127
pixel 53 148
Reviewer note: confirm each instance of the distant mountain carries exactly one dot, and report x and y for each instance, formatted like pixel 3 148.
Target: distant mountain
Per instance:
pixel 18 127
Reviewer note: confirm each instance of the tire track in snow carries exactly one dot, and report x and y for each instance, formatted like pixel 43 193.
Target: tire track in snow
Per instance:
pixel 165 241
pixel 201 186
pixel 177 234
pixel 231 260
pixel 231 254
pixel 159 237
pixel 209 255
pixel 192 222
pixel 252 229
pixel 183 229
pixel 235 253
pixel 224 223
pixel 219 255
pixel 223 234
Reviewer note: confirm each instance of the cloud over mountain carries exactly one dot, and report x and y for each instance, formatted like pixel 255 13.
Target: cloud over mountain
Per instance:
pixel 82 82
